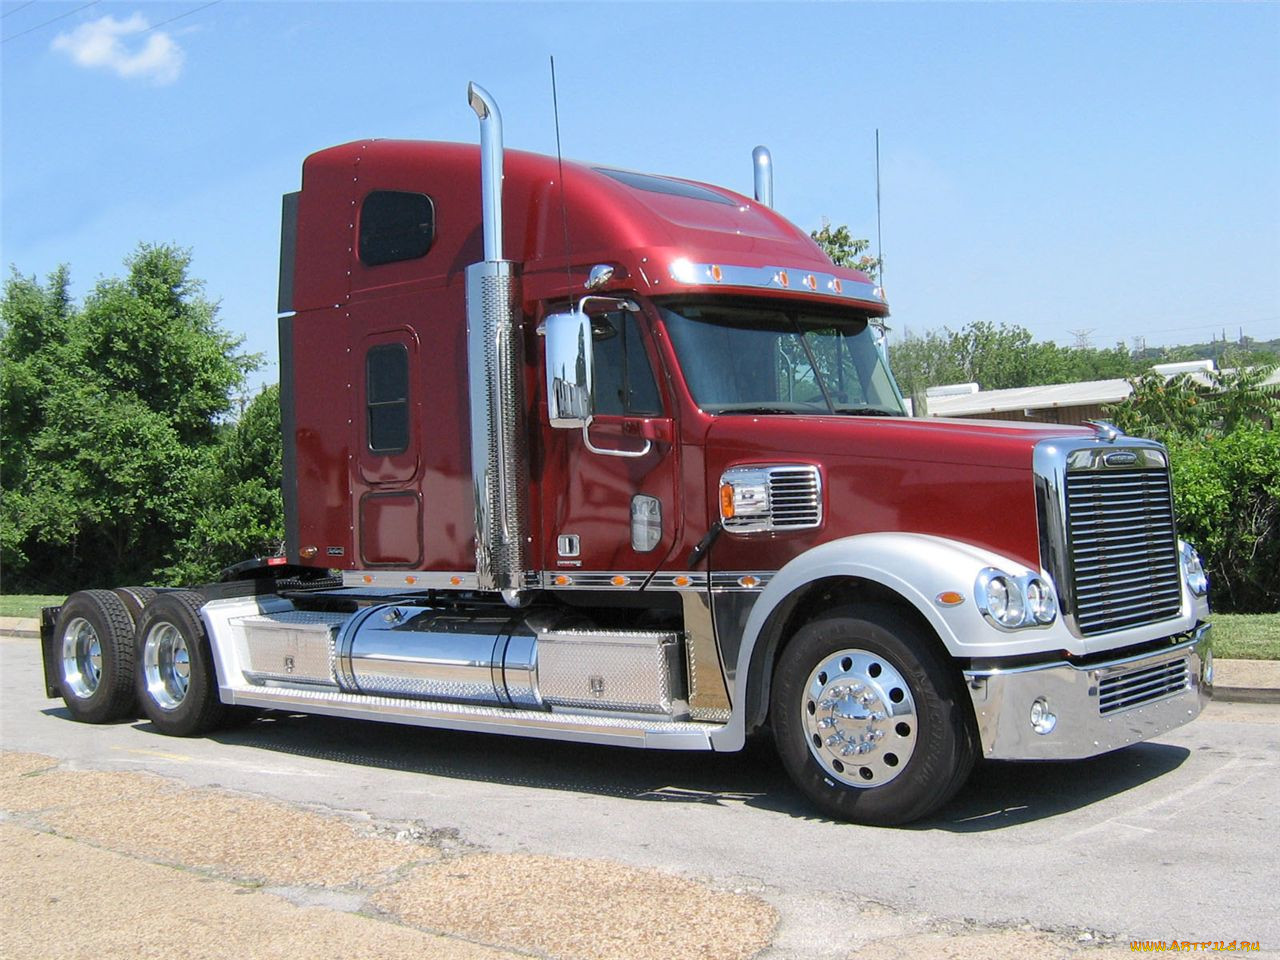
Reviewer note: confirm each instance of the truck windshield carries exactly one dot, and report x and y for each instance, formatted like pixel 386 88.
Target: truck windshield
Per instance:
pixel 754 359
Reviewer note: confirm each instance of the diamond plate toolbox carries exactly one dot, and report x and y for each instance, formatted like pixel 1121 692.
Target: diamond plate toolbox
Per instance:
pixel 293 647
pixel 624 671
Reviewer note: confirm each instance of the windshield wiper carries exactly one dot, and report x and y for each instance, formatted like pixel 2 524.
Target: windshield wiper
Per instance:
pixel 867 412
pixel 751 410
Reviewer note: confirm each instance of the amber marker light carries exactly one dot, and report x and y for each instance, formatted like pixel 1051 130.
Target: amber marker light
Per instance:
pixel 563 581
pixel 949 598
pixel 367 578
pixel 620 581
pixel 716 273
pixel 748 581
pixel 681 581
pixel 308 552
pixel 411 580
pixel 455 581
pixel 726 501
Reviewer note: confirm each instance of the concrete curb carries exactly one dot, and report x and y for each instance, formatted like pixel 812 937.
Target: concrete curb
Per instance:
pixel 1235 681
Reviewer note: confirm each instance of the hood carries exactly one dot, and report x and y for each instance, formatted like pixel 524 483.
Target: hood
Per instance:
pixel 967 480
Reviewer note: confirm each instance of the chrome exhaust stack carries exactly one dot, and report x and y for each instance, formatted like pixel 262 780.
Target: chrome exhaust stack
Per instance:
pixel 763 163
pixel 495 359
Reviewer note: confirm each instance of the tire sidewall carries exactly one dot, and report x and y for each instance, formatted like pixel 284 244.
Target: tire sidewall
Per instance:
pixel 191 715
pixel 112 699
pixel 931 774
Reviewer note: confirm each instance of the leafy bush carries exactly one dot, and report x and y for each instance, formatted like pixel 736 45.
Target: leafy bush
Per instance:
pixel 1226 474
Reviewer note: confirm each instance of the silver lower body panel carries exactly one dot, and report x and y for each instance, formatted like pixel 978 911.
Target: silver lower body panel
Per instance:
pixel 1095 709
pixel 583 728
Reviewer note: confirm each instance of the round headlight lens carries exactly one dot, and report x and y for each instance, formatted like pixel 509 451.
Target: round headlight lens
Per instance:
pixel 1040 602
pixel 1004 601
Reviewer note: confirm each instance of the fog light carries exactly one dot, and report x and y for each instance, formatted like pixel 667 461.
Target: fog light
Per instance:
pixel 1042 721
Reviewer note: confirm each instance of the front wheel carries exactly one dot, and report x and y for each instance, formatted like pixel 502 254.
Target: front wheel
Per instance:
pixel 869 718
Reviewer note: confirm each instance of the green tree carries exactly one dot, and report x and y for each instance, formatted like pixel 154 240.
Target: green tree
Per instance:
pixel 110 411
pixel 236 511
pixel 998 357
pixel 846 251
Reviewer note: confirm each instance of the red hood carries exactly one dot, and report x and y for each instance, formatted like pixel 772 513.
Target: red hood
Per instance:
pixel 969 480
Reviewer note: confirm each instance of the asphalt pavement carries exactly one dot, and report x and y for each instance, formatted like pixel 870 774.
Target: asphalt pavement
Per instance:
pixel 1162 841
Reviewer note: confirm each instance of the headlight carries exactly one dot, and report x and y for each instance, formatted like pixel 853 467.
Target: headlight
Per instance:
pixel 1193 569
pixel 1041 604
pixel 1012 602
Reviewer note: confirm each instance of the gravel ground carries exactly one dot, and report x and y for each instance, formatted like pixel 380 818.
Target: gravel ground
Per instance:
pixel 103 865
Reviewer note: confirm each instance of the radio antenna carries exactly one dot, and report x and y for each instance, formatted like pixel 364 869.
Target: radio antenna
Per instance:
pixel 879 239
pixel 564 208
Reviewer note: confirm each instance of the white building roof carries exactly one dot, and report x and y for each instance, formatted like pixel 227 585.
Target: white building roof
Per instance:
pixel 1049 397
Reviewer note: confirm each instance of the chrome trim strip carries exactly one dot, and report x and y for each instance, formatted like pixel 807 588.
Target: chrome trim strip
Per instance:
pixel 616 731
pixel 796 279
pixel 408 581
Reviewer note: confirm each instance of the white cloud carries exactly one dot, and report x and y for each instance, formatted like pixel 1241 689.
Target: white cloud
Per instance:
pixel 106 43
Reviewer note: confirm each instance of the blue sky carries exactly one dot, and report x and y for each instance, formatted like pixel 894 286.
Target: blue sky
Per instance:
pixel 1101 167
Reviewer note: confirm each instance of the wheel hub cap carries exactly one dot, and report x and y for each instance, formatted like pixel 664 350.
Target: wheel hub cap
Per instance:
pixel 166 664
pixel 860 718
pixel 81 658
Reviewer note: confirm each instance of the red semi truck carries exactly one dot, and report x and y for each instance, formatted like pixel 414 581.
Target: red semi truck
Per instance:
pixel 618 458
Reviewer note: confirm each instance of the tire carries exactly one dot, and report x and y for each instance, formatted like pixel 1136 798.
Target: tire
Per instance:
pixel 870 720
pixel 176 680
pixel 134 599
pixel 93 644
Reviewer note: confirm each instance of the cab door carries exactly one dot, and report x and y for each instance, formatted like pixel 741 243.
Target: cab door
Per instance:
pixel 610 506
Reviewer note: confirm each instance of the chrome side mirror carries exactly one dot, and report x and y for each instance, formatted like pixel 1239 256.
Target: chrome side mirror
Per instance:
pixel 569 369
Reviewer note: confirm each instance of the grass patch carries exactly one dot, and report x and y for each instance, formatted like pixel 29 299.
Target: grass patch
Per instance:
pixel 1236 636
pixel 1246 636
pixel 26 605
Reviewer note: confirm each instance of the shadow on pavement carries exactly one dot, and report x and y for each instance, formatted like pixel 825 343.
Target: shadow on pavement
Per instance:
pixel 998 795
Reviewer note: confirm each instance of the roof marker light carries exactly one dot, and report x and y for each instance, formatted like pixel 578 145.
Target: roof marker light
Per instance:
pixel 683 271
pixel 716 273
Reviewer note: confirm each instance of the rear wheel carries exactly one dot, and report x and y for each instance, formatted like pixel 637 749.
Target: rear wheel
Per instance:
pixel 93 641
pixel 176 680
pixel 869 718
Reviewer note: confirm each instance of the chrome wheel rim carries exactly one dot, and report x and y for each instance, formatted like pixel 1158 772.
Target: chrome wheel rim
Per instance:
pixel 81 658
pixel 860 718
pixel 166 665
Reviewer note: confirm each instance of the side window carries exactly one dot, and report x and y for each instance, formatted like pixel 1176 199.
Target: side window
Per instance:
pixel 387 398
pixel 395 226
pixel 624 383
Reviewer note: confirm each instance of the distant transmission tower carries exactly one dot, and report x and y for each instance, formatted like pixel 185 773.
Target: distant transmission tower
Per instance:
pixel 1082 338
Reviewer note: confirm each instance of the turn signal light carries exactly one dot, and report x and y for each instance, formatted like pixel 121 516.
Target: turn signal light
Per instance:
pixel 726 500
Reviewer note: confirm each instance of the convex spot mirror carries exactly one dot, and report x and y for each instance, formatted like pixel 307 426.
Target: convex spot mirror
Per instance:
pixel 569 369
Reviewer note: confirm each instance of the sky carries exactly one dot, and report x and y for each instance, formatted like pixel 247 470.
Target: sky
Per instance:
pixel 1105 171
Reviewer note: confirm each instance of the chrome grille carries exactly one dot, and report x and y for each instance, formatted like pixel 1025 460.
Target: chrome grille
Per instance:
pixel 1123 548
pixel 795 497
pixel 1122 691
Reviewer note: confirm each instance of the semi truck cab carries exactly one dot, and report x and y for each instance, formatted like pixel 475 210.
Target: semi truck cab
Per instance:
pixel 619 458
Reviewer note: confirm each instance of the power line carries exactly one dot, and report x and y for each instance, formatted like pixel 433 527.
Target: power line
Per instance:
pixel 21 6
pixel 154 26
pixel 61 16
pixel 205 6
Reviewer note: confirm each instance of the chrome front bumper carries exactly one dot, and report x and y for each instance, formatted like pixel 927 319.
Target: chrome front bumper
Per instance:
pixel 1091 710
